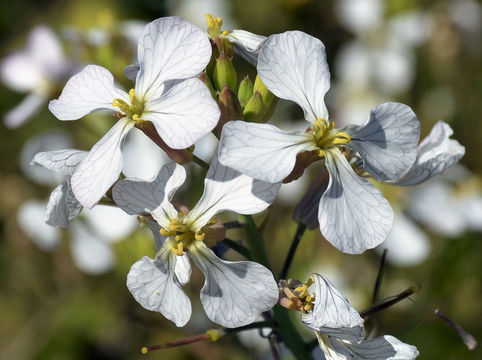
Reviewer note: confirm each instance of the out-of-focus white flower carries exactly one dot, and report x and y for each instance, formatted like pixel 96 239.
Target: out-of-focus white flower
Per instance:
pixel 46 141
pixel 406 243
pixel 234 293
pixel 35 70
pixel 169 50
pixel 353 215
pixel 31 218
pixel 360 15
pixel 466 14
pixel 339 327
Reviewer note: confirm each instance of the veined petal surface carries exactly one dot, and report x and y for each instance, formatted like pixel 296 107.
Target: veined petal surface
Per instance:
pixel 261 151
pixel 169 48
pixel 227 189
pixel 154 285
pixel 293 66
pixel 102 166
pixel 388 141
pixel 62 207
pixel 61 161
pixel 184 114
pixel 183 269
pixel 137 196
pixel 246 44
pixel 90 90
pixel 234 293
pixel 435 154
pixel 384 347
pixel 353 215
pixel 332 313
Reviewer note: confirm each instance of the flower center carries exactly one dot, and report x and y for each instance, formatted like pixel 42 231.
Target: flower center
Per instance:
pixel 298 298
pixel 133 110
pixel 326 137
pixel 182 234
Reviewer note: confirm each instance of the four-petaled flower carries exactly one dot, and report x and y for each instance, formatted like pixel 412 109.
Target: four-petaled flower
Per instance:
pixel 353 215
pixel 234 293
pixel 171 53
pixel 338 326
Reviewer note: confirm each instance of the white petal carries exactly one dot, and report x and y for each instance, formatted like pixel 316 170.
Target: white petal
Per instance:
pixel 154 285
pixel 183 269
pixel 332 313
pixel 61 161
pixel 261 151
pixel 332 349
pixel 293 66
pixel 354 216
pixel 20 72
pixel 137 196
pixel 234 293
pixel 227 189
pixel 246 44
pixel 130 71
pixel 110 222
pixel 102 166
pixel 23 111
pixel 184 114
pixel 388 141
pixel 435 154
pixel 384 347
pixel 169 48
pixel 31 218
pixel 90 90
pixel 90 253
pixel 62 207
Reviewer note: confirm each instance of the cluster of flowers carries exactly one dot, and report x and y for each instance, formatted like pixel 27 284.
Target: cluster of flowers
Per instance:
pixel 174 103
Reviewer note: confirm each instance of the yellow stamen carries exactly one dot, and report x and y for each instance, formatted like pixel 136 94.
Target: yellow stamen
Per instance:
pixel 214 26
pixel 132 94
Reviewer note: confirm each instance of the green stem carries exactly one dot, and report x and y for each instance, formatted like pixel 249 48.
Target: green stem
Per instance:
pixel 291 252
pixel 239 248
pixel 200 162
pixel 285 328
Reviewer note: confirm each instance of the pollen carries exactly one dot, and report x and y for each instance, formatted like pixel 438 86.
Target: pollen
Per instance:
pixel 133 110
pixel 327 137
pixel 214 26
pixel 181 234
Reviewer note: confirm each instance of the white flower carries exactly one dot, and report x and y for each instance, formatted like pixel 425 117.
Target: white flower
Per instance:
pixel 170 49
pixel 339 327
pixel 234 293
pixel 353 215
pixel 33 69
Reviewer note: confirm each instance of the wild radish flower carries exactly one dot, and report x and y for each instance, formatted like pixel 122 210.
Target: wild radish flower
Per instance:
pixel 353 215
pixel 170 49
pixel 234 293
pixel 62 207
pixel 337 325
pixel 34 69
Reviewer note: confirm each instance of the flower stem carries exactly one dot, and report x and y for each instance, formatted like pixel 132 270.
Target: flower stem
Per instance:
pixel 291 252
pixel 239 248
pixel 200 162
pixel 285 328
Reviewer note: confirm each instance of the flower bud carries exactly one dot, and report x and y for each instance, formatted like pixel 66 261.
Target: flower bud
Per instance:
pixel 207 81
pixel 245 91
pixel 254 110
pixel 269 100
pixel 230 108
pixel 214 26
pixel 224 73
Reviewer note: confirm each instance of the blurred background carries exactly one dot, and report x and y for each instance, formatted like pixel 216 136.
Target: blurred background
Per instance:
pixel 63 293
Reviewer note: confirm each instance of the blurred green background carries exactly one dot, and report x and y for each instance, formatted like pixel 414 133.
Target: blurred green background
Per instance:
pixel 52 310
